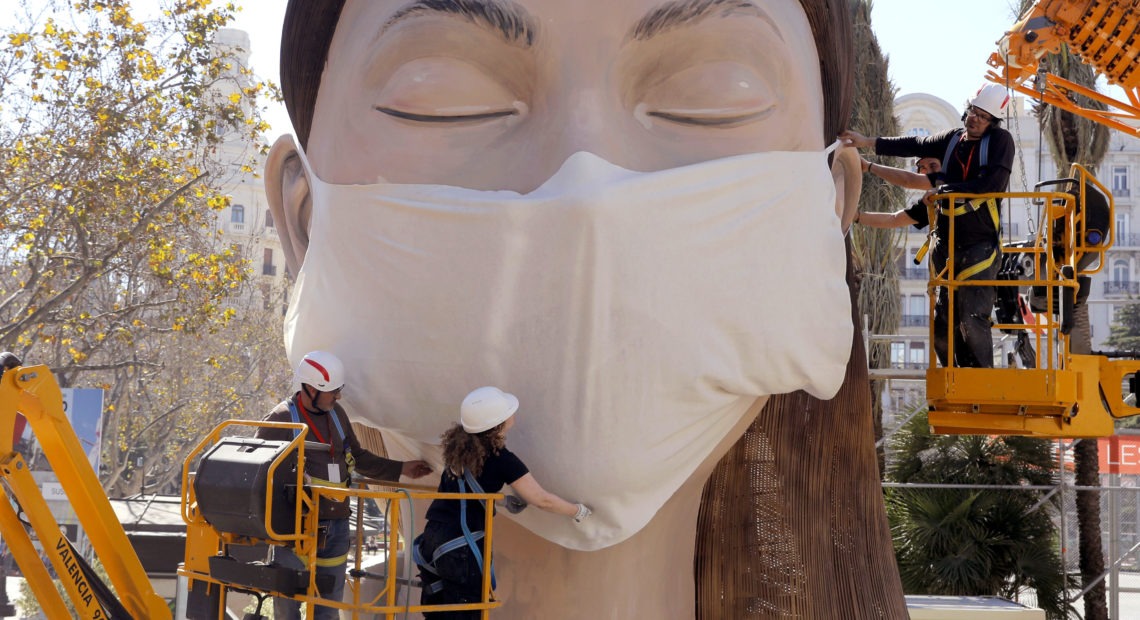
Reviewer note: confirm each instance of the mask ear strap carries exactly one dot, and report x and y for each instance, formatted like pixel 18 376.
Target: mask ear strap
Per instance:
pixel 305 163
pixel 827 152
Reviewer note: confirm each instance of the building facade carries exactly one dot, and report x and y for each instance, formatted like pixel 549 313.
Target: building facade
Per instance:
pixel 247 224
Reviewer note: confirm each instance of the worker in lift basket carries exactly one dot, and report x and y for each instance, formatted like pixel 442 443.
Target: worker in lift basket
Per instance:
pixel 976 159
pixel 476 460
pixel 319 379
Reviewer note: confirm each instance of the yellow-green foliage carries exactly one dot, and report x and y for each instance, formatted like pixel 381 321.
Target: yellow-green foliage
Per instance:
pixel 117 139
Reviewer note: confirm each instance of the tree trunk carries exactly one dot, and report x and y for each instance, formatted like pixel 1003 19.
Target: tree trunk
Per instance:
pixel 1086 464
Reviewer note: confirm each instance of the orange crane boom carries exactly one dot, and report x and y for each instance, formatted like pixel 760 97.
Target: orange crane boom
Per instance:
pixel 1105 34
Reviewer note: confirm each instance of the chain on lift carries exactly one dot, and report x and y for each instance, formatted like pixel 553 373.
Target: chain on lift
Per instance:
pixel 1030 224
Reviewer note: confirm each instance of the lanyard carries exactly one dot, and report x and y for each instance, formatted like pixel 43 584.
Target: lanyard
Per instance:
pixel 970 158
pixel 308 420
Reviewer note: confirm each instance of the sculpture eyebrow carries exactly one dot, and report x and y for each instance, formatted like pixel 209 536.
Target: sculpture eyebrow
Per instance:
pixel 683 12
pixel 510 20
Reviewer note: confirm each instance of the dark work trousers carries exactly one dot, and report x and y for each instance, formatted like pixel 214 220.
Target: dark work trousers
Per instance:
pixel 462 578
pixel 973 305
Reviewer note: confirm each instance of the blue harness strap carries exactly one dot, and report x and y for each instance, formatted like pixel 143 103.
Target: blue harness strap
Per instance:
pixel 468 538
pixel 463 520
pixel 349 461
pixel 335 419
pixel 983 158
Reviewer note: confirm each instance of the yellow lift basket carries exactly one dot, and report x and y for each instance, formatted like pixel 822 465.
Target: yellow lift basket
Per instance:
pixel 290 520
pixel 1065 394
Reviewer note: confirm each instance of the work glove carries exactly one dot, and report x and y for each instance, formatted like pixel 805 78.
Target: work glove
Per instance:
pixel 514 504
pixel 583 512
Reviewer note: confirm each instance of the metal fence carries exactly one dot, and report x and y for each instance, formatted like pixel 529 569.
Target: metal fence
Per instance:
pixel 904 398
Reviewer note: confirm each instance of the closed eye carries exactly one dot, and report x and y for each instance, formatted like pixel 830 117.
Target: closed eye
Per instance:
pixel 711 118
pixel 447 118
pixel 715 94
pixel 444 90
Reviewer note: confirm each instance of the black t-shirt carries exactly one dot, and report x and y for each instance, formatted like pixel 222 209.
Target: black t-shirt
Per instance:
pixel 499 469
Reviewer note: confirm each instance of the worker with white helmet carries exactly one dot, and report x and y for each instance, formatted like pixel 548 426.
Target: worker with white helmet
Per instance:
pixel 476 460
pixel 319 379
pixel 976 159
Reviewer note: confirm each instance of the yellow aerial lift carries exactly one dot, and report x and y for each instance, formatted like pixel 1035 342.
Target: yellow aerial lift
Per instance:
pixel 246 492
pixel 33 392
pixel 1061 394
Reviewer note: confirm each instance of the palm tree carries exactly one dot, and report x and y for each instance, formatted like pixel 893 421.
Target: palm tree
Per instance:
pixel 975 541
pixel 1075 139
pixel 876 250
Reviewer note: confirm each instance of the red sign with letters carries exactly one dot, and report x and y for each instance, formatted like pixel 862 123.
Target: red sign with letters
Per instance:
pixel 1119 454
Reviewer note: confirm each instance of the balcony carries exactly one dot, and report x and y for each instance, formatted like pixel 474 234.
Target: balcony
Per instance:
pixel 914 273
pixel 909 365
pixel 1122 192
pixel 914 320
pixel 1127 240
pixel 1122 288
pixel 268 270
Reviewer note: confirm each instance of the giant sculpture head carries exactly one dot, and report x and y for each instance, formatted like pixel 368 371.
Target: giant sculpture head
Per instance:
pixel 623 212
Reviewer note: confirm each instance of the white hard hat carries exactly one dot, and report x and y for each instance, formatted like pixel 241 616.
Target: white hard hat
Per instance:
pixel 992 98
pixel 486 408
pixel 321 370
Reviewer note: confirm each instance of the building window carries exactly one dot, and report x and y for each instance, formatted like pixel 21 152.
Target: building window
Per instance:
pixel 898 354
pixel 917 304
pixel 1120 180
pixel 1120 270
pixel 1123 221
pixel 268 218
pixel 237 214
pixel 918 132
pixel 917 355
pixel 267 266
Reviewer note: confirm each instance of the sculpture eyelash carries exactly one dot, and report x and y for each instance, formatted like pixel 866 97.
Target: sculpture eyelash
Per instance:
pixel 433 118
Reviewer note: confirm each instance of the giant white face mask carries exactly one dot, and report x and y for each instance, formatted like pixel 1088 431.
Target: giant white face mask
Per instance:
pixel 636 315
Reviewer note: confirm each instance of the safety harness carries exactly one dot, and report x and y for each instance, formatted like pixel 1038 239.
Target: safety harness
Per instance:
pixel 349 460
pixel 969 206
pixel 468 538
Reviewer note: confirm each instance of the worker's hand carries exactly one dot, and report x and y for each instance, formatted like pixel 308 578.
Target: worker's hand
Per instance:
pixel 583 512
pixel 415 469
pixel 514 504
pixel 856 139
pixel 931 195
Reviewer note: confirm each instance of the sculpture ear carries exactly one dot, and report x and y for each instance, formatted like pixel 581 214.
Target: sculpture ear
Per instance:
pixel 847 173
pixel 287 190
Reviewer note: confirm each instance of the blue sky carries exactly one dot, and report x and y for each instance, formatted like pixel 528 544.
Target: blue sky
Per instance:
pixel 940 47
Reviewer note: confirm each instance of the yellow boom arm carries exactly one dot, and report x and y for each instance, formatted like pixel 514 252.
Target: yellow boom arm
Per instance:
pixel 33 392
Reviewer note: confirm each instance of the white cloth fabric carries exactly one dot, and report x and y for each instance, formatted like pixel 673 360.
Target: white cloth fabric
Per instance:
pixel 637 315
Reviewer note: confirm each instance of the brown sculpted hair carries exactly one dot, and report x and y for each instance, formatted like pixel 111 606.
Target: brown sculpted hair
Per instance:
pixel 310 24
pixel 463 450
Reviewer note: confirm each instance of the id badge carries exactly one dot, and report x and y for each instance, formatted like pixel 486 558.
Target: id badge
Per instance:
pixel 334 472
